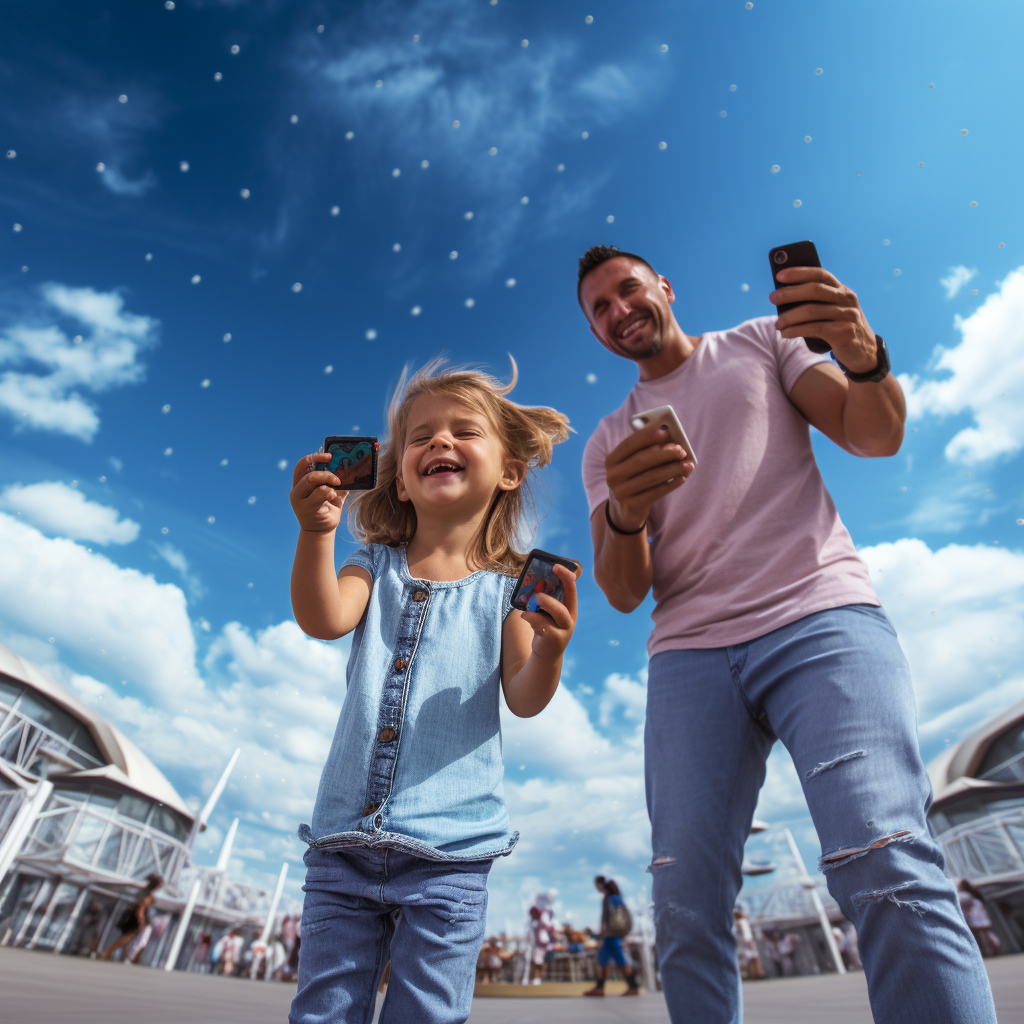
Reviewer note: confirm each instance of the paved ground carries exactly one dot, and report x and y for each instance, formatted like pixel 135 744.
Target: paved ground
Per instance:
pixel 40 988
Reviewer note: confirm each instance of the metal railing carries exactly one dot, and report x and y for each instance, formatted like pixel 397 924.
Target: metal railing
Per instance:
pixel 223 897
pixel 786 900
pixel 1011 770
pixel 987 849
pixel 10 801
pixel 23 741
pixel 83 835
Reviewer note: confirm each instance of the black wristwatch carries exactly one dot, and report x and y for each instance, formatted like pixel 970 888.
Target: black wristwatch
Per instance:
pixel 881 370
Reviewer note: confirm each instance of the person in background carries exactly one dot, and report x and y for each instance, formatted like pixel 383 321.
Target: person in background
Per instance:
pixel 789 944
pixel 846 942
pixel 542 930
pixel 612 934
pixel 972 903
pixel 136 917
pixel 746 947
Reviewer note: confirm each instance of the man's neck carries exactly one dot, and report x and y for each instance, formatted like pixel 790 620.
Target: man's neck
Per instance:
pixel 678 347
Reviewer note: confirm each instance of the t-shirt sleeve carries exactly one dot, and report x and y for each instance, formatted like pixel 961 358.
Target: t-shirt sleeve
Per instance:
pixel 792 355
pixel 365 558
pixel 595 482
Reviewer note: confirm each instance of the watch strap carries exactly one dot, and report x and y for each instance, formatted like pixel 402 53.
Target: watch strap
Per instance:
pixel 879 373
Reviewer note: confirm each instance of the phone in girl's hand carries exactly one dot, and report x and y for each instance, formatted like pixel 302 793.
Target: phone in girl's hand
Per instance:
pixel 353 461
pixel 538 577
pixel 665 416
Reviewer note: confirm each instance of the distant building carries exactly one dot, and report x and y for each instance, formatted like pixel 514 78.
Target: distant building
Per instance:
pixel 978 817
pixel 85 818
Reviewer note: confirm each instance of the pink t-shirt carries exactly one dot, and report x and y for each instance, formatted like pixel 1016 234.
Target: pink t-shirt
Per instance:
pixel 752 540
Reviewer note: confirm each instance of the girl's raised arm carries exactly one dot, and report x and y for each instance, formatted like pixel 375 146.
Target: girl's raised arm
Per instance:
pixel 325 607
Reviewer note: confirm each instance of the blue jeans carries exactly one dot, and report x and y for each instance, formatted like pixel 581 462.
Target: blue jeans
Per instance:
pixel 364 907
pixel 835 688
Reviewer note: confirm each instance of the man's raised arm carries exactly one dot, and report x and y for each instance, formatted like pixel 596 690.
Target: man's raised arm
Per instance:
pixel 643 468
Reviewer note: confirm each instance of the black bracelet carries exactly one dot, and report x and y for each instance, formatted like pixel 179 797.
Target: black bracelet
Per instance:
pixel 625 533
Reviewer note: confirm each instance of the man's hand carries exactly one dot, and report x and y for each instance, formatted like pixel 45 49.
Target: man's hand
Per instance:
pixel 830 311
pixel 643 468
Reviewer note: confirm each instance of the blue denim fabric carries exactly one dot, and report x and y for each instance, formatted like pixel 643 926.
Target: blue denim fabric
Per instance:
pixel 835 688
pixel 364 907
pixel 415 764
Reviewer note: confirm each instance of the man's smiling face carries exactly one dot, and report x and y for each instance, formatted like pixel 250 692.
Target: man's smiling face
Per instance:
pixel 628 307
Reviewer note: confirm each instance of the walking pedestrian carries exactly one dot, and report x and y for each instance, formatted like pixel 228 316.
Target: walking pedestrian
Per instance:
pixel 137 917
pixel 616 924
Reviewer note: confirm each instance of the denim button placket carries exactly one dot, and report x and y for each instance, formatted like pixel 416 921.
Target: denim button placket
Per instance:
pixel 384 755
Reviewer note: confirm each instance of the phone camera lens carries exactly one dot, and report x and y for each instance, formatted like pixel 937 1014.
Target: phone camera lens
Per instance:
pixel 781 256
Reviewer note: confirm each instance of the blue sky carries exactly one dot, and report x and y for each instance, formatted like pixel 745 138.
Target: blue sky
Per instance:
pixel 249 244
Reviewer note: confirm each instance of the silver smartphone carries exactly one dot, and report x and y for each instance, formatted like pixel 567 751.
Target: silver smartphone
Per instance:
pixel 665 416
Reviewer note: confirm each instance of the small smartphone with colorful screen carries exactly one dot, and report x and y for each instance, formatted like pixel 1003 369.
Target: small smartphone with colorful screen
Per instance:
pixel 538 577
pixel 353 461
pixel 796 254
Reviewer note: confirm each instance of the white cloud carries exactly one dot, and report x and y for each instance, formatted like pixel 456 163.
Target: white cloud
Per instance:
pixel 56 508
pixel 958 612
pixel 958 277
pixel 986 377
pixel 50 365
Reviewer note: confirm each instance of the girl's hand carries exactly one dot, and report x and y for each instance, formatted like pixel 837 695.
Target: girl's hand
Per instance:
pixel 315 502
pixel 551 638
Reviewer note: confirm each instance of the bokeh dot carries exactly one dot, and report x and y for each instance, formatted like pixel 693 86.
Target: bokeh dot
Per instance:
pixel 297 287
pixel 396 172
pixel 252 500
pixel 798 202
pixel 149 257
pixel 101 166
pixel 560 168
pixel 235 48
pixel 610 218
pixel 584 135
pixel 963 131
pixel 454 254
pixel 165 409
pixel 591 378
pixel 885 241
pixel 424 164
pixel 493 151
pixel 196 279
pixel 210 519
pixel 470 303
pixel 350 136
pixel 122 98
pixel 320 29
pixel 244 193
pixel 921 164
pixel 807 138
pixel 169 5
pixel 16 227
pixel 217 76
pixel 168 451
pixel 931 85
pixel 205 382
pixel 749 5
pixel 294 119
pixel 1000 245
pixel 397 247
pixel 371 334
pixel 455 124
pixel 818 71
pixel 468 215
pixel 227 337
pixel 897 272
pixel 723 113
pixel 524 43
pixel 776 168
pixel 526 199
pixel 510 282
pixel 11 154
pixel 664 47
pixel 416 310
pixel 662 145
pixel 183 166
pixel 732 88
pixel 328 368
pixel 379 84
pixel 335 210
pixel 588 20
pixel 744 287
pixel 974 202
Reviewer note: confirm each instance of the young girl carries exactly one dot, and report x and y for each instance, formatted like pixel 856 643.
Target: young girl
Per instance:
pixel 410 812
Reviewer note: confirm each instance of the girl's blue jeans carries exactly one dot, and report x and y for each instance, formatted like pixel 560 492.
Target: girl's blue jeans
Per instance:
pixel 365 907
pixel 835 688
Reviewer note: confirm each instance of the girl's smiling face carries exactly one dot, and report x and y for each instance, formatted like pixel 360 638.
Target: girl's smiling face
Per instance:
pixel 453 457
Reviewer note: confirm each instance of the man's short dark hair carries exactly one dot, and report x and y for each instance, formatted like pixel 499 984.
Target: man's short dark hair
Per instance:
pixel 598 254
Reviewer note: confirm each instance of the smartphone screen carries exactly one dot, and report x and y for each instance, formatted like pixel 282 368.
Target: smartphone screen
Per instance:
pixel 538 577
pixel 353 461
pixel 796 254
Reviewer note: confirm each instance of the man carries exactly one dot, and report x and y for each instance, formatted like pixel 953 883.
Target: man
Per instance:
pixel 766 626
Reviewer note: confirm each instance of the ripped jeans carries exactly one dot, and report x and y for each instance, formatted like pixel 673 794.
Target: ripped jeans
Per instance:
pixel 835 688
pixel 364 907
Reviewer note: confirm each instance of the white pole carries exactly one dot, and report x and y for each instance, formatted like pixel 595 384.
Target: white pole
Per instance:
pixel 186 917
pixel 225 850
pixel 269 926
pixel 204 814
pixel 826 925
pixel 34 802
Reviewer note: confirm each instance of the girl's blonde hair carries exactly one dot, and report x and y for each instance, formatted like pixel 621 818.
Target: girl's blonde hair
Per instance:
pixel 528 434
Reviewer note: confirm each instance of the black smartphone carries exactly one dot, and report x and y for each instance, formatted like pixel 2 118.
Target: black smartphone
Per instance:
pixel 538 577
pixel 796 254
pixel 353 461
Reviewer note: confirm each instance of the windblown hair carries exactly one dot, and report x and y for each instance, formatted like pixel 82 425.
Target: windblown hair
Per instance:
pixel 610 885
pixel 598 254
pixel 528 434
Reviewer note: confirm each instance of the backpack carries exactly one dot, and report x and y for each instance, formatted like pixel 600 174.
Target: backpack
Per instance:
pixel 620 921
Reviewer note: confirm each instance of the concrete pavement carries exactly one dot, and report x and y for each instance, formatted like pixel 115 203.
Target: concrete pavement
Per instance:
pixel 41 988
